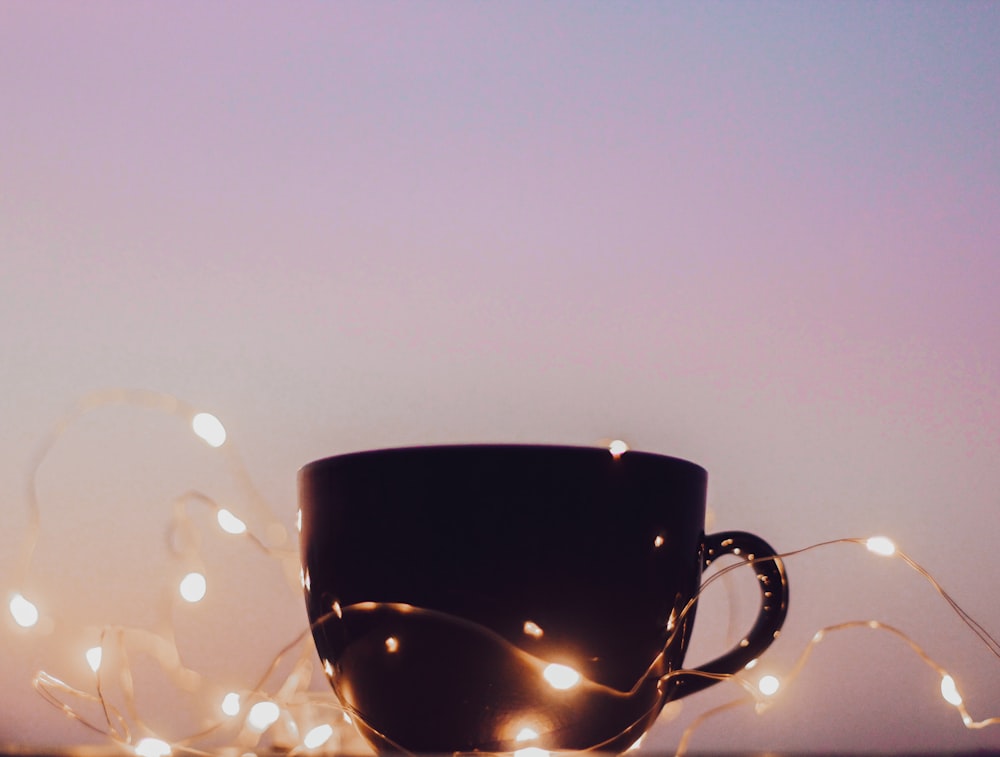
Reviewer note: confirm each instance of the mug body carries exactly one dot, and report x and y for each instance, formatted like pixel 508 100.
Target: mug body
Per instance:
pixel 496 597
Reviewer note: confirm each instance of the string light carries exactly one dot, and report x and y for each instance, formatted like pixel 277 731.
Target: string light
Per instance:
pixel 532 629
pixel 230 523
pixel 881 545
pixel 561 676
pixel 209 428
pixel 263 714
pixel 193 587
pixel 318 736
pixel 25 613
pixel 768 685
pixel 231 704
pixel 150 747
pixel 120 722
pixel 617 448
pixel 949 691
pixel 290 696
pixel 93 656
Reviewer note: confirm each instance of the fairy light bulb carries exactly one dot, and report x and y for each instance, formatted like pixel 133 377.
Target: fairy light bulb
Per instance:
pixel 617 448
pixel 209 429
pixel 230 523
pixel 881 545
pixel 768 685
pixel 24 612
pixel 949 691
pixel 531 751
pixel 266 713
pixel 318 736
pixel 150 747
pixel 532 629
pixel 94 655
pixel 193 587
pixel 526 734
pixel 231 704
pixel 529 734
pixel 262 715
pixel 561 677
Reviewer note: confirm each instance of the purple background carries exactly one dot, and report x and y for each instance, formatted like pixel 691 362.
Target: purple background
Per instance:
pixel 762 236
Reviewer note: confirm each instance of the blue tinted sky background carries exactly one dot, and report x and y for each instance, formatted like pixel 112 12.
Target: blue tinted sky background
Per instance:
pixel 762 236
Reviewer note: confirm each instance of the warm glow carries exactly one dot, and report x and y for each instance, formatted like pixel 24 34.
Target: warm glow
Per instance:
pixel 658 541
pixel 617 448
pixel 561 676
pixel 230 523
pixel 531 751
pixel 193 587
pixel 768 685
pixel 209 428
pixel 231 704
pixel 318 736
pixel 526 734
pixel 93 656
pixel 262 715
pixel 24 612
pixel 152 748
pixel 949 691
pixel 391 644
pixel 881 545
pixel 532 629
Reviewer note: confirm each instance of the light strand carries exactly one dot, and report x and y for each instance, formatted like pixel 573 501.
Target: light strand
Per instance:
pixel 122 722
pixel 246 717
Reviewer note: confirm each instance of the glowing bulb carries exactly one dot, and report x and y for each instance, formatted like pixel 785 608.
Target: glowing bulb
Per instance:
pixel 531 751
pixel 230 523
pixel 768 685
pixel 881 545
pixel 93 656
pixel 318 736
pixel 658 541
pixel 231 704
pixel 193 587
pixel 532 629
pixel 617 448
pixel 949 691
pixel 561 676
pixel 526 734
pixel 152 748
pixel 24 612
pixel 391 644
pixel 262 715
pixel 209 428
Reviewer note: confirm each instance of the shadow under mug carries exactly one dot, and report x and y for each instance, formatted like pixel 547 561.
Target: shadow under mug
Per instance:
pixel 497 597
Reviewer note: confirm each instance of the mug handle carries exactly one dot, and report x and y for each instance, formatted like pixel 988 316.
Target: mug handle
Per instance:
pixel 773 607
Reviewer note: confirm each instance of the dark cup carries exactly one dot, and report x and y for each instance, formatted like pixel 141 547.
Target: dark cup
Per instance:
pixel 496 597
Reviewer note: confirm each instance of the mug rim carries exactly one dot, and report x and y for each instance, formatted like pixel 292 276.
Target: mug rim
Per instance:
pixel 581 450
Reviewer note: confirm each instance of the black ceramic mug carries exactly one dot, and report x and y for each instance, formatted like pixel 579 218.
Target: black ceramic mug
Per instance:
pixel 496 597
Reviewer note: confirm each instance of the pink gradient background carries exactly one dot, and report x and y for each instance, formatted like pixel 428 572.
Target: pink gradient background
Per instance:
pixel 764 237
